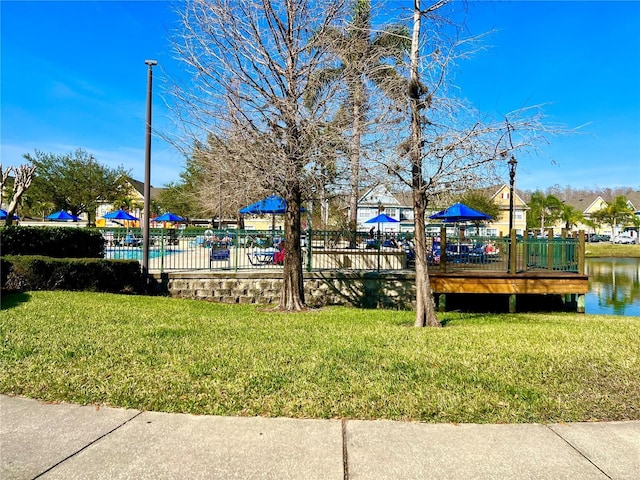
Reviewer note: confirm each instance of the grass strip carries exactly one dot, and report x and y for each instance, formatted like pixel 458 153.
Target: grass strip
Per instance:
pixel 606 249
pixel 171 355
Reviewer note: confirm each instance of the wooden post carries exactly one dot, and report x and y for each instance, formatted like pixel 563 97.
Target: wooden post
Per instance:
pixel 550 249
pixel 443 249
pixel 513 251
pixel 512 303
pixel 525 250
pixel 581 252
pixel 442 302
pixel 569 300
pixel 581 301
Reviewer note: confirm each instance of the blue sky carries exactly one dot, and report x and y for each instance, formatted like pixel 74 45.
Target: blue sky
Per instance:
pixel 73 76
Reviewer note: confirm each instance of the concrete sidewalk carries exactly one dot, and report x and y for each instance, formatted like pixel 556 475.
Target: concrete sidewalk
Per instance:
pixel 64 441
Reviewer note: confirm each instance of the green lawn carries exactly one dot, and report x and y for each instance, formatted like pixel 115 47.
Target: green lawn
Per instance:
pixel 606 249
pixel 163 354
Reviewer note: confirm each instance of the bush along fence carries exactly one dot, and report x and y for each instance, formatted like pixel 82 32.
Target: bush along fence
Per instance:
pixel 26 272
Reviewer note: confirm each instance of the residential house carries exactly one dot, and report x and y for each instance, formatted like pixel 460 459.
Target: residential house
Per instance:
pixel 500 226
pixel 379 199
pixel 399 205
pixel 136 195
pixel 589 204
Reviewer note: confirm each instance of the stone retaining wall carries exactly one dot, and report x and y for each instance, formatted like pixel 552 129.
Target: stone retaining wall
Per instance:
pixel 362 289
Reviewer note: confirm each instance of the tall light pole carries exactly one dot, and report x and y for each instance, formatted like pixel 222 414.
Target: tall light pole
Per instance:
pixel 512 179
pixel 219 199
pixel 92 204
pixel 513 163
pixel 147 178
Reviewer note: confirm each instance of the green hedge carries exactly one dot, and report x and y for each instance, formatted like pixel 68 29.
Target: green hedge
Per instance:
pixel 22 273
pixel 59 242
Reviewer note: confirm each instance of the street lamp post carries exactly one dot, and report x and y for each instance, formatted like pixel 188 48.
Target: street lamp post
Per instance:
pixel 512 179
pixel 147 177
pixel 219 199
pixel 92 203
pixel 380 210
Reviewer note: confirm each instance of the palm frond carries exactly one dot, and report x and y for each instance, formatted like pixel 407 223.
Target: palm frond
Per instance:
pixel 394 41
pixel 387 79
pixel 319 81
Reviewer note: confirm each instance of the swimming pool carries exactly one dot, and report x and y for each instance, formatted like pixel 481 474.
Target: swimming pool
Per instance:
pixel 135 254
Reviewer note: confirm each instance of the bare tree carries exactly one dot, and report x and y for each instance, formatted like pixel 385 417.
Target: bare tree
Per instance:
pixel 451 148
pixel 223 185
pixel 23 176
pixel 425 308
pixel 250 64
pixel 4 177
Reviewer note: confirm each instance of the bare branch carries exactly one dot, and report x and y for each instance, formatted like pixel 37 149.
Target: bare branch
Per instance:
pixel 21 182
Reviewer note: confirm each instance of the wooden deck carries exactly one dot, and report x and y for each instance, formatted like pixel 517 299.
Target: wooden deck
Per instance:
pixel 540 282
pixel 533 282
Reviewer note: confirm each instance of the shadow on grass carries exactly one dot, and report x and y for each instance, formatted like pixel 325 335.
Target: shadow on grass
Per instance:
pixel 12 300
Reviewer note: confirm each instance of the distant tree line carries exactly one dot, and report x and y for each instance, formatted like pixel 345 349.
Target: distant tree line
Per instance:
pixel 554 206
pixel 75 182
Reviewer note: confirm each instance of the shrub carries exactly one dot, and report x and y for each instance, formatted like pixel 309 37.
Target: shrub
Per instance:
pixel 22 273
pixel 59 242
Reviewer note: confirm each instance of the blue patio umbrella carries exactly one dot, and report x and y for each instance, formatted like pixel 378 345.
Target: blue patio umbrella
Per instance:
pixel 273 204
pixel 119 215
pixel 382 218
pixel 62 216
pixel 3 215
pixel 459 212
pixel 169 217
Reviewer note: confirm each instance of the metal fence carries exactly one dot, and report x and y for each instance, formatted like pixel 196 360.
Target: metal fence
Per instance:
pixel 493 254
pixel 472 253
pixel 172 249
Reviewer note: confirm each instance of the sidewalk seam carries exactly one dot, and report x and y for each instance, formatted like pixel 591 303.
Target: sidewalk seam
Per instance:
pixel 576 449
pixel 345 458
pixel 87 446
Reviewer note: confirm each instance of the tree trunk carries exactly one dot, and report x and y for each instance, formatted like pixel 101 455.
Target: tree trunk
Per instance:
pixel 22 181
pixel 292 295
pixel 354 163
pixel 425 308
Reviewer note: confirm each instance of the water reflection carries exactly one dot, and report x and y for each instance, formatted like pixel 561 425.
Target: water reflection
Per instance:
pixel 614 286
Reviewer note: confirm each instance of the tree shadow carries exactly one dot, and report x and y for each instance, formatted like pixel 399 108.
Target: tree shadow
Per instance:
pixel 12 300
pixel 369 290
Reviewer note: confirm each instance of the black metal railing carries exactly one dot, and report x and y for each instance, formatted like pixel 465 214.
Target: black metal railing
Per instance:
pixel 172 249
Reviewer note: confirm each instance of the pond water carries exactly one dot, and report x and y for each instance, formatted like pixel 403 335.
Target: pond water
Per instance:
pixel 614 286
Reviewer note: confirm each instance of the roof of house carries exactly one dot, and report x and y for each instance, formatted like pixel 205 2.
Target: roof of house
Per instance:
pixel 581 200
pixel 585 202
pixel 138 186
